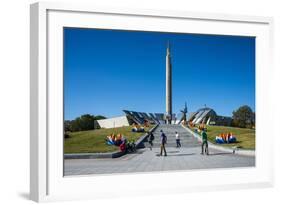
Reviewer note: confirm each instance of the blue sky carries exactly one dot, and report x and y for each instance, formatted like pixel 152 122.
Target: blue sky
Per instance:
pixel 106 71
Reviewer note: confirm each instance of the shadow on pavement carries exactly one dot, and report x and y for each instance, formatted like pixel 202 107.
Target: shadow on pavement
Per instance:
pixel 173 151
pixel 220 153
pixel 176 155
pixel 168 152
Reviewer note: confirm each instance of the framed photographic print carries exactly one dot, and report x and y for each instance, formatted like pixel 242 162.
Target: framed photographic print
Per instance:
pixel 128 97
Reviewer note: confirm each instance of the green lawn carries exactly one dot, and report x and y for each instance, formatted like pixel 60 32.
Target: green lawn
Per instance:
pixel 93 141
pixel 245 137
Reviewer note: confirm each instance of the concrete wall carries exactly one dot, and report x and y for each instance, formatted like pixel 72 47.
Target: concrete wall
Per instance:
pixel 114 122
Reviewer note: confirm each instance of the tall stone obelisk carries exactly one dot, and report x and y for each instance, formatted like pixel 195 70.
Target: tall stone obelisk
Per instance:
pixel 168 86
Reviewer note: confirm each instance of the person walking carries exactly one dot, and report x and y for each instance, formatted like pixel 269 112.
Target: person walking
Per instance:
pixel 204 144
pixel 150 139
pixel 178 140
pixel 163 141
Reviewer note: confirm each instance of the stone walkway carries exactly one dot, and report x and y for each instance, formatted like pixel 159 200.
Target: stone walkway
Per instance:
pixel 187 157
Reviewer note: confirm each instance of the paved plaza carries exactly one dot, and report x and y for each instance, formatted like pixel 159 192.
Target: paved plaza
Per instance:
pixel 187 157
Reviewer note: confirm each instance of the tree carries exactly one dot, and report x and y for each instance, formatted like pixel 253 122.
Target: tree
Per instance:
pixel 67 125
pixel 243 117
pixel 99 117
pixel 84 122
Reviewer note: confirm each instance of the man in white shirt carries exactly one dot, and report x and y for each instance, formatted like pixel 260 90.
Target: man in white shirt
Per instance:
pixel 178 140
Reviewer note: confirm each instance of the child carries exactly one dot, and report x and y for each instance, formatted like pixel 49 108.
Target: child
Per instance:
pixel 204 145
pixel 178 140
pixel 150 139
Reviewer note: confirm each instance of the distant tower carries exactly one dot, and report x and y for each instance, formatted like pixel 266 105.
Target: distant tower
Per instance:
pixel 168 86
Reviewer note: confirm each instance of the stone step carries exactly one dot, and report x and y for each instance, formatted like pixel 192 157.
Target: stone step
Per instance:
pixel 186 139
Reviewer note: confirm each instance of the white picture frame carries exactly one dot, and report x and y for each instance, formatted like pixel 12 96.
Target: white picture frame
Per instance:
pixel 46 157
